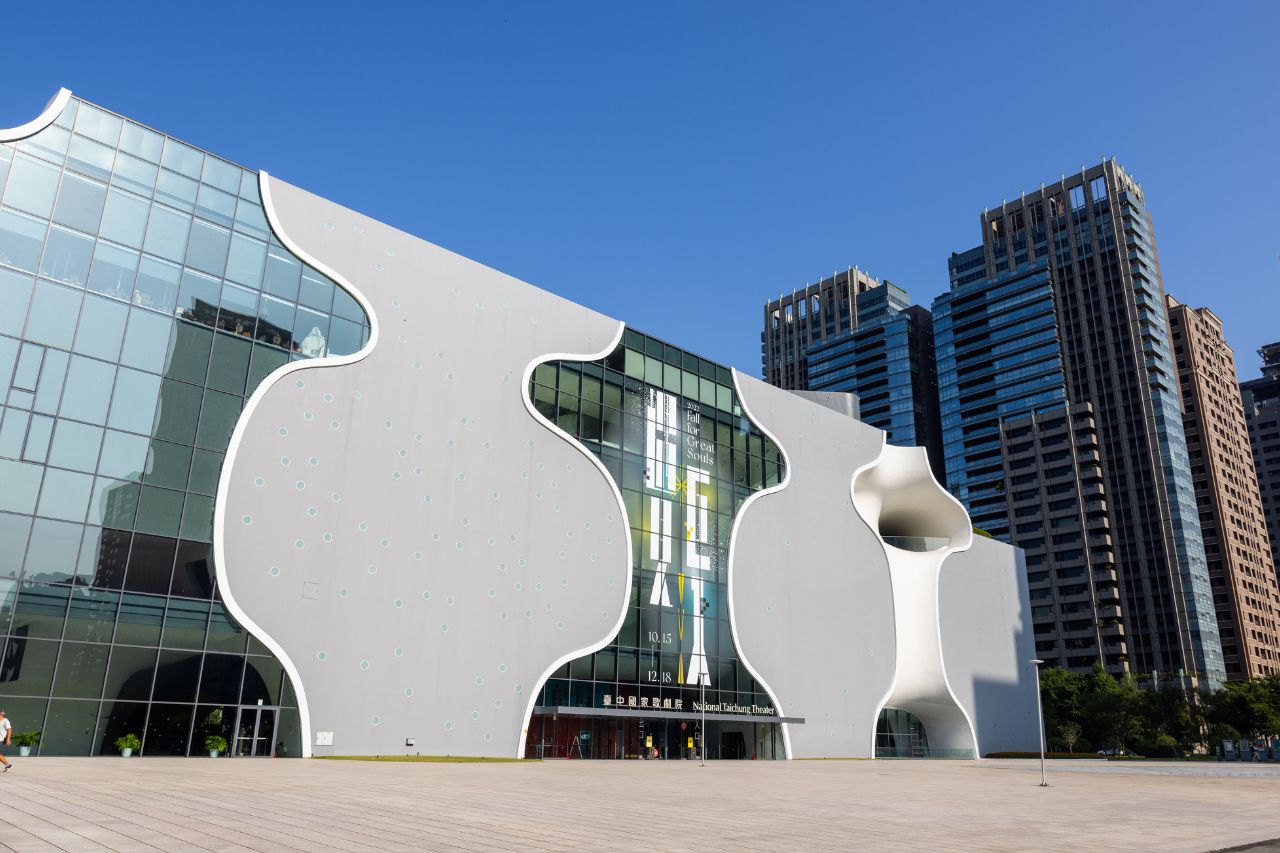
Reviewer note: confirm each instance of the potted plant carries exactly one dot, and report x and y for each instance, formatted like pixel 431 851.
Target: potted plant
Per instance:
pixel 215 744
pixel 127 744
pixel 24 742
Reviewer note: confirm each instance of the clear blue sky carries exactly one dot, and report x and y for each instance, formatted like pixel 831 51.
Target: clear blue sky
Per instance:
pixel 676 165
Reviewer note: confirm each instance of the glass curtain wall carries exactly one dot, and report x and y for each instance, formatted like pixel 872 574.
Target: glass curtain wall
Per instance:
pixel 670 430
pixel 143 297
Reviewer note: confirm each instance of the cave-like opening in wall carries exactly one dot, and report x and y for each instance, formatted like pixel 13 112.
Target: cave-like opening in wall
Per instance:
pixel 901 734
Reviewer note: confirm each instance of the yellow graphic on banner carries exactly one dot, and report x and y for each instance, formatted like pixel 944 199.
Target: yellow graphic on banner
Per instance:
pixel 680 605
pixel 681 487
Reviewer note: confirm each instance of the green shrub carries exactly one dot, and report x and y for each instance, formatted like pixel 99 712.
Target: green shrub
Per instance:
pixel 215 743
pixel 26 738
pixel 129 741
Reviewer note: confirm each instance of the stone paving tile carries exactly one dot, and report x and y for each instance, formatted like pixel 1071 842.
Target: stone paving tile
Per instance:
pixel 233 805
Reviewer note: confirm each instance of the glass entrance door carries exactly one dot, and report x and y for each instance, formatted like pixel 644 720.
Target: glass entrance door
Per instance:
pixel 255 731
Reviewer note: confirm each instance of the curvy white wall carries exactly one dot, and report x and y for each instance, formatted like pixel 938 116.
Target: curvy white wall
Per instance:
pixel 984 616
pixel 809 584
pixel 421 549
pixel 400 527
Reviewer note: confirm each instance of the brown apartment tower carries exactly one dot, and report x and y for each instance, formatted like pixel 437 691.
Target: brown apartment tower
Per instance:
pixel 804 317
pixel 1241 571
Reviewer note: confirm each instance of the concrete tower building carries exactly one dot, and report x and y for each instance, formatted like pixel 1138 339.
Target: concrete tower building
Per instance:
pixel 817 312
pixel 1241 570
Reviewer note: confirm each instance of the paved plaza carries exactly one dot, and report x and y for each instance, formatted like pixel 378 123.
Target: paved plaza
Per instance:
pixel 77 804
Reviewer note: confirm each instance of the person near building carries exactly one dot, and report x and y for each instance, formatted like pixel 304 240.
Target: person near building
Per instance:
pixel 6 736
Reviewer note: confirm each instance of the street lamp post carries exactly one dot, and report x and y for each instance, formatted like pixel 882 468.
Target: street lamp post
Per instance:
pixel 702 686
pixel 1040 719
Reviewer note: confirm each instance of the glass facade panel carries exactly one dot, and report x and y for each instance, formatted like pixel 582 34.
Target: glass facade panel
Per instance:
pixel 81 668
pixel 68 730
pixel 177 674
pixel 125 219
pixel 101 328
pixel 682 488
pixel 54 551
pixel 53 314
pixel 79 204
pixel 32 186
pixel 130 673
pixel 113 271
pixel 15 297
pixel 128 394
pixel 222 678
pixel 168 730
pixel 27 666
pixel 91 615
pixel 21 240
pixel 193 572
pixel 134 175
pixel 90 158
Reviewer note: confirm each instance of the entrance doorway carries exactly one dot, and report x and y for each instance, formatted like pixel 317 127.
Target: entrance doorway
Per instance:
pixel 255 731
pixel 900 734
pixel 557 735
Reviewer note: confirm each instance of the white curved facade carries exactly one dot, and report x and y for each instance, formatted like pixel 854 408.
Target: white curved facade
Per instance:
pixel 498 523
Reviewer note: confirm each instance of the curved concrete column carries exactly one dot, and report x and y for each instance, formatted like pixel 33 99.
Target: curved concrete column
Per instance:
pixel 919 524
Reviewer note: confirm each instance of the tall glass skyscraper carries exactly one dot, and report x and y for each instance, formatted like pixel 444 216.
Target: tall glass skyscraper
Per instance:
pixel 1090 235
pixel 1023 459
pixel 887 360
pixel 999 356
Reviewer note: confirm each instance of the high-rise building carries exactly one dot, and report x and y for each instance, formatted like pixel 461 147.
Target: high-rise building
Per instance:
pixel 1241 569
pixel 793 322
pixel 1092 235
pixel 1024 460
pixel 888 362
pixel 1261 399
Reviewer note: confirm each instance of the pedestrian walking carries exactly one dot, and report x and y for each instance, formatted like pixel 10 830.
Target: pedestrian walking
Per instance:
pixel 6 736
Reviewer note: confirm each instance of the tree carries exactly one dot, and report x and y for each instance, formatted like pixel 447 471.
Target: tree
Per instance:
pixel 1098 710
pixel 1060 695
pixel 1112 709
pixel 1068 734
pixel 1172 717
pixel 1248 707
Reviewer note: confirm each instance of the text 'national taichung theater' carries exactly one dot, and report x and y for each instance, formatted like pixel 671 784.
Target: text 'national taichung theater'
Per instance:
pixel 273 471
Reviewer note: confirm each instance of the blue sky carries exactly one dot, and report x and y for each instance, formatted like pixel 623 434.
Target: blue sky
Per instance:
pixel 676 165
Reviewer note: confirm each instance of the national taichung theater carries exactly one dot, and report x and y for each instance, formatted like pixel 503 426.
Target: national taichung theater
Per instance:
pixel 274 471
